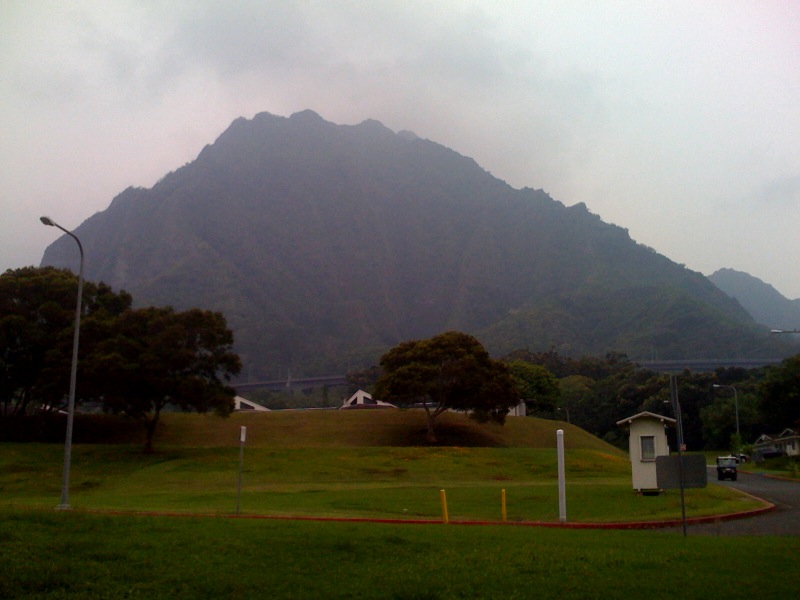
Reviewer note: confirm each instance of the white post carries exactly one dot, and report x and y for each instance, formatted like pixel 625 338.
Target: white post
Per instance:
pixel 242 438
pixel 562 495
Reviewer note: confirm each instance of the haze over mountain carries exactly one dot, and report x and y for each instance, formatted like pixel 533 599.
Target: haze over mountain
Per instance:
pixel 325 244
pixel 766 304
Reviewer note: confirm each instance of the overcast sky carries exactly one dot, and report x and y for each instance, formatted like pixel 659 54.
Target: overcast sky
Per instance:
pixel 678 120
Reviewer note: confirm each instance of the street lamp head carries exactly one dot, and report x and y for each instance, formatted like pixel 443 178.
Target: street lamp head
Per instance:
pixel 47 221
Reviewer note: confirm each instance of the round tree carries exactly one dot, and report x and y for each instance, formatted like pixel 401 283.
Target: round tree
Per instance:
pixel 450 371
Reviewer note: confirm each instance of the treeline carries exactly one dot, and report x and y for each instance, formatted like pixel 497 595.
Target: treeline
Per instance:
pixel 131 361
pixel 139 361
pixel 597 392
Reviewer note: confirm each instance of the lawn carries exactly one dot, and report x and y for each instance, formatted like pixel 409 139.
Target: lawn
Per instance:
pixel 73 555
pixel 355 466
pixel 359 464
pixel 359 482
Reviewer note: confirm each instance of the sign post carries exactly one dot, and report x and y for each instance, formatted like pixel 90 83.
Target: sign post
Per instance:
pixel 242 438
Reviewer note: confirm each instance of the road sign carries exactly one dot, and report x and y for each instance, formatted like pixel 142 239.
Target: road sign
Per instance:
pixel 668 471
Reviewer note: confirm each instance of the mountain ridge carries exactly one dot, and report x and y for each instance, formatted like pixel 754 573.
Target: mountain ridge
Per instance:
pixel 766 304
pixel 326 244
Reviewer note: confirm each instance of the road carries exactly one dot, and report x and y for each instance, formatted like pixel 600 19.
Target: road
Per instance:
pixel 784 520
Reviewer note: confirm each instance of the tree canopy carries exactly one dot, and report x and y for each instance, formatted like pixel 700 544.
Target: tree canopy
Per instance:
pixel 780 395
pixel 154 357
pixel 537 386
pixel 448 371
pixel 37 314
pixel 134 361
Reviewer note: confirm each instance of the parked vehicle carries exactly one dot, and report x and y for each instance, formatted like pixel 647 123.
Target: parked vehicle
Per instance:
pixel 726 468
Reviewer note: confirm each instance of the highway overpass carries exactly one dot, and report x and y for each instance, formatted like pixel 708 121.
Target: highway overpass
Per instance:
pixel 706 364
pixel 661 366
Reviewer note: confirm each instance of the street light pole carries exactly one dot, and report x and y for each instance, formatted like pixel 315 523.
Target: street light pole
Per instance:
pixel 676 408
pixel 736 408
pixel 64 504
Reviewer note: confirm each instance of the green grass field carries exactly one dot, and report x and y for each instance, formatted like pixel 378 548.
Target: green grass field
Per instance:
pixel 331 428
pixel 51 555
pixel 376 482
pixel 350 464
pixel 359 464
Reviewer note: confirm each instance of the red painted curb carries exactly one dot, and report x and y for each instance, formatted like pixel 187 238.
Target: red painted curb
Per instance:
pixel 778 477
pixel 548 524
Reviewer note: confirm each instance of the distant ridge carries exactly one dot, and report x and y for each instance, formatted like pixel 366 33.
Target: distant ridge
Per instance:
pixel 326 244
pixel 766 304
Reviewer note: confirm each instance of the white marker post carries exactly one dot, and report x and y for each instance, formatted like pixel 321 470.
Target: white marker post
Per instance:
pixel 242 438
pixel 562 494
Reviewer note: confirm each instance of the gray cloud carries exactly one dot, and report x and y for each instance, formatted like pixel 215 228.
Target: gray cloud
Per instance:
pixel 677 121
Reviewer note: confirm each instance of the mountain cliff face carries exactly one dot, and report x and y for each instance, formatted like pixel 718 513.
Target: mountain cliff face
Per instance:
pixel 326 244
pixel 766 304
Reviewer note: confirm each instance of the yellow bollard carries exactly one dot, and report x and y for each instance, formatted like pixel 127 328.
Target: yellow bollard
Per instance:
pixel 503 504
pixel 443 497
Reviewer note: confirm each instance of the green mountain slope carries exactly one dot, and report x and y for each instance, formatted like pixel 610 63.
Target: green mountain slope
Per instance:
pixel 766 304
pixel 326 244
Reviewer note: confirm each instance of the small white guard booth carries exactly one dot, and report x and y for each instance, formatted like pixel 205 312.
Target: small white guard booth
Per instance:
pixel 647 438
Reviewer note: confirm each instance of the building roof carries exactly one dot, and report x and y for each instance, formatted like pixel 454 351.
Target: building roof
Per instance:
pixel 362 399
pixel 645 415
pixel 240 404
pixel 768 438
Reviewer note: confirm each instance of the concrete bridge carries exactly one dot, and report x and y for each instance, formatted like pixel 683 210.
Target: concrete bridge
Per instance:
pixel 706 364
pixel 662 366
pixel 283 384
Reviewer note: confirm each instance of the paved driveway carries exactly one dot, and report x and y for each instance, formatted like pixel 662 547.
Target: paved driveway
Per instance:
pixel 784 520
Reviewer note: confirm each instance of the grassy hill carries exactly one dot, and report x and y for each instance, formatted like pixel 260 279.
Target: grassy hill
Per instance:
pixel 343 464
pixel 335 428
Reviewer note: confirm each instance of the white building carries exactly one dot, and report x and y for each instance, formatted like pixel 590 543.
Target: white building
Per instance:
pixel 786 443
pixel 241 404
pixel 647 438
pixel 520 410
pixel 362 399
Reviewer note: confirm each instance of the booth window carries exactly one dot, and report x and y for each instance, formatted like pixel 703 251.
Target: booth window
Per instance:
pixel 648 444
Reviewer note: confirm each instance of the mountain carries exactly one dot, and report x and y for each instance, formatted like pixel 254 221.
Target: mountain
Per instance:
pixel 326 244
pixel 766 304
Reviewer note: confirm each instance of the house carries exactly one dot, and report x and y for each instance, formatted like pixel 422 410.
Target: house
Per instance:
pixel 786 443
pixel 242 404
pixel 362 399
pixel 647 439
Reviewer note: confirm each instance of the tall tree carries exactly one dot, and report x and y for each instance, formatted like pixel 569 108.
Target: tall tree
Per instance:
pixel 780 395
pixel 537 386
pixel 448 371
pixel 37 314
pixel 155 357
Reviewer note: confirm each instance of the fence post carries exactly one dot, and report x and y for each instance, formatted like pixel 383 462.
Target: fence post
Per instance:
pixel 562 494
pixel 443 498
